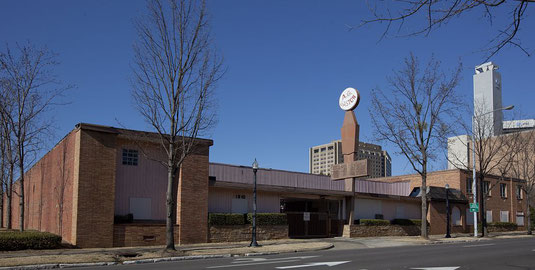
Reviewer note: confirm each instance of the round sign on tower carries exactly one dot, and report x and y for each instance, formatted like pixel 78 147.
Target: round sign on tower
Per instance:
pixel 349 99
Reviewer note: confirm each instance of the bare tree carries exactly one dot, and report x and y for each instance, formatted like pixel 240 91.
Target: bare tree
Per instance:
pixel 524 168
pixel 173 78
pixel 494 154
pixel 9 158
pixel 33 89
pixel 435 13
pixel 414 115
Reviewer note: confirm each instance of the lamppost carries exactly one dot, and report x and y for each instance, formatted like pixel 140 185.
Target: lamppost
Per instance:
pixel 447 212
pixel 253 241
pixel 474 190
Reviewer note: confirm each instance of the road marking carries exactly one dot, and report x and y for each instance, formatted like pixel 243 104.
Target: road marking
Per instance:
pixel 439 268
pixel 247 264
pixel 244 260
pixel 480 245
pixel 312 264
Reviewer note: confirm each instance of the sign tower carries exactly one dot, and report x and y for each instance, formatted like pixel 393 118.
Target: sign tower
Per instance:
pixel 351 168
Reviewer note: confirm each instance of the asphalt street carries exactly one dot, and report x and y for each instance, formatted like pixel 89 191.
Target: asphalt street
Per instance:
pixel 496 254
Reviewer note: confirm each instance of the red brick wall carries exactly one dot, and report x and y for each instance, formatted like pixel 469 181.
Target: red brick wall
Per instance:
pixel 437 218
pixel 49 191
pixel 192 199
pixel 94 208
pixel 130 235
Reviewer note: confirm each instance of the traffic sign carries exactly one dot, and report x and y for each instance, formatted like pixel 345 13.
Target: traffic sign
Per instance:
pixel 474 207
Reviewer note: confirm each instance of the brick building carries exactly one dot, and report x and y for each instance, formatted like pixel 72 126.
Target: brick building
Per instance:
pixel 95 173
pixel 505 203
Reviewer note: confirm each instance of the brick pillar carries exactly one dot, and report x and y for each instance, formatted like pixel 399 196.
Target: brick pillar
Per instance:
pixel 192 199
pixel 94 189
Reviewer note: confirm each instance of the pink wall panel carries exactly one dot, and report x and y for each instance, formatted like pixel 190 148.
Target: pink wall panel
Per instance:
pixel 146 180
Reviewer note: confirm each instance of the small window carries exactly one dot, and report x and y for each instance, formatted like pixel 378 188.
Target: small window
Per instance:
pixel 469 183
pixel 130 157
pixel 503 190
pixel 486 187
pixel 519 192
pixel 316 150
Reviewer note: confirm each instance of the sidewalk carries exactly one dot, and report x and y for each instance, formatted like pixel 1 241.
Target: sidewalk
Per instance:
pixel 127 255
pixel 396 241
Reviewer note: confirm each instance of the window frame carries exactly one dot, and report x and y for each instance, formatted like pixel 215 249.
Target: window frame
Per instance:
pixel 503 190
pixel 130 157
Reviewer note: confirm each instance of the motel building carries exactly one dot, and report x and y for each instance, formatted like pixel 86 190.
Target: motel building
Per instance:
pixel 97 174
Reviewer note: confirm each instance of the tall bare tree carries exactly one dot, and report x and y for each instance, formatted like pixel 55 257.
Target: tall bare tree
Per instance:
pixel 8 147
pixel 33 89
pixel 524 168
pixel 413 115
pixel 432 14
pixel 174 74
pixel 494 155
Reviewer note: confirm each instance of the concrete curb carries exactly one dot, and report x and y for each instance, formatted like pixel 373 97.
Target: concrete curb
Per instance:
pixel 155 260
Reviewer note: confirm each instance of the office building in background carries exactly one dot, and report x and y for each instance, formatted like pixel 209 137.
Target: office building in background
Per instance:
pixel 322 157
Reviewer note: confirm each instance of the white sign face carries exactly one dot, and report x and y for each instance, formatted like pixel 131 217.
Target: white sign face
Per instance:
pixel 349 99
pixel 306 216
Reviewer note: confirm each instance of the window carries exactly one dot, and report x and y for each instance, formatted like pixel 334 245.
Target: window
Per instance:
pixel 520 218
pixel 504 216
pixel 503 190
pixel 323 149
pixel 486 187
pixel 519 192
pixel 489 216
pixel 456 216
pixel 330 148
pixel 130 157
pixel 316 150
pixel 469 183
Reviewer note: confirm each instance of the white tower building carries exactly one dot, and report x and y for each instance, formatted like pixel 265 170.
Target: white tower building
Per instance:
pixel 488 96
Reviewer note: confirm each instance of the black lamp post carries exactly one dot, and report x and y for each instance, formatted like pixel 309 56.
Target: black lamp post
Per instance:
pixel 447 212
pixel 253 241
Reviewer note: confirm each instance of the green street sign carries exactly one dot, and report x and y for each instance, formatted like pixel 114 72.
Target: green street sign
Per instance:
pixel 474 207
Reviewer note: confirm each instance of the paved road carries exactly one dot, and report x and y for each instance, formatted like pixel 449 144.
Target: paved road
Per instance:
pixel 499 254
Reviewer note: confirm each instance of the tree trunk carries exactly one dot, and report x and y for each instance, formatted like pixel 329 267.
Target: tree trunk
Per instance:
pixel 482 197
pixel 170 233
pixel 9 196
pixel 423 191
pixel 21 201
pixel 528 215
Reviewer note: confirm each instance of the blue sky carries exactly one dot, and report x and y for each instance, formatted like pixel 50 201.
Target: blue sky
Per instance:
pixel 287 62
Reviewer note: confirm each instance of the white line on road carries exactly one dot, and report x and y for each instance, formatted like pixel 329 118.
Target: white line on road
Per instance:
pixel 480 245
pixel 247 264
pixel 312 264
pixel 246 260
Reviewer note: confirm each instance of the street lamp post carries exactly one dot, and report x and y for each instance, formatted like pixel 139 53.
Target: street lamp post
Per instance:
pixel 447 212
pixel 253 241
pixel 474 185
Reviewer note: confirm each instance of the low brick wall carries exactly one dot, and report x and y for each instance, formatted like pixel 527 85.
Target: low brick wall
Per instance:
pixel 132 235
pixel 235 233
pixel 370 231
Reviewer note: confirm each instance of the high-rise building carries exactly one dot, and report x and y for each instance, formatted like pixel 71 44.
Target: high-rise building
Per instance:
pixel 487 104
pixel 322 157
pixel 488 97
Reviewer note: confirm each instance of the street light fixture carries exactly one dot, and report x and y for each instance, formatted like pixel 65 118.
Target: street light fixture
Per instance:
pixel 253 241
pixel 474 186
pixel 447 212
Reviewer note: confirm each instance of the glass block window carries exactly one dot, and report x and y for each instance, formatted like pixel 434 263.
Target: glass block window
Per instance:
pixel 130 157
